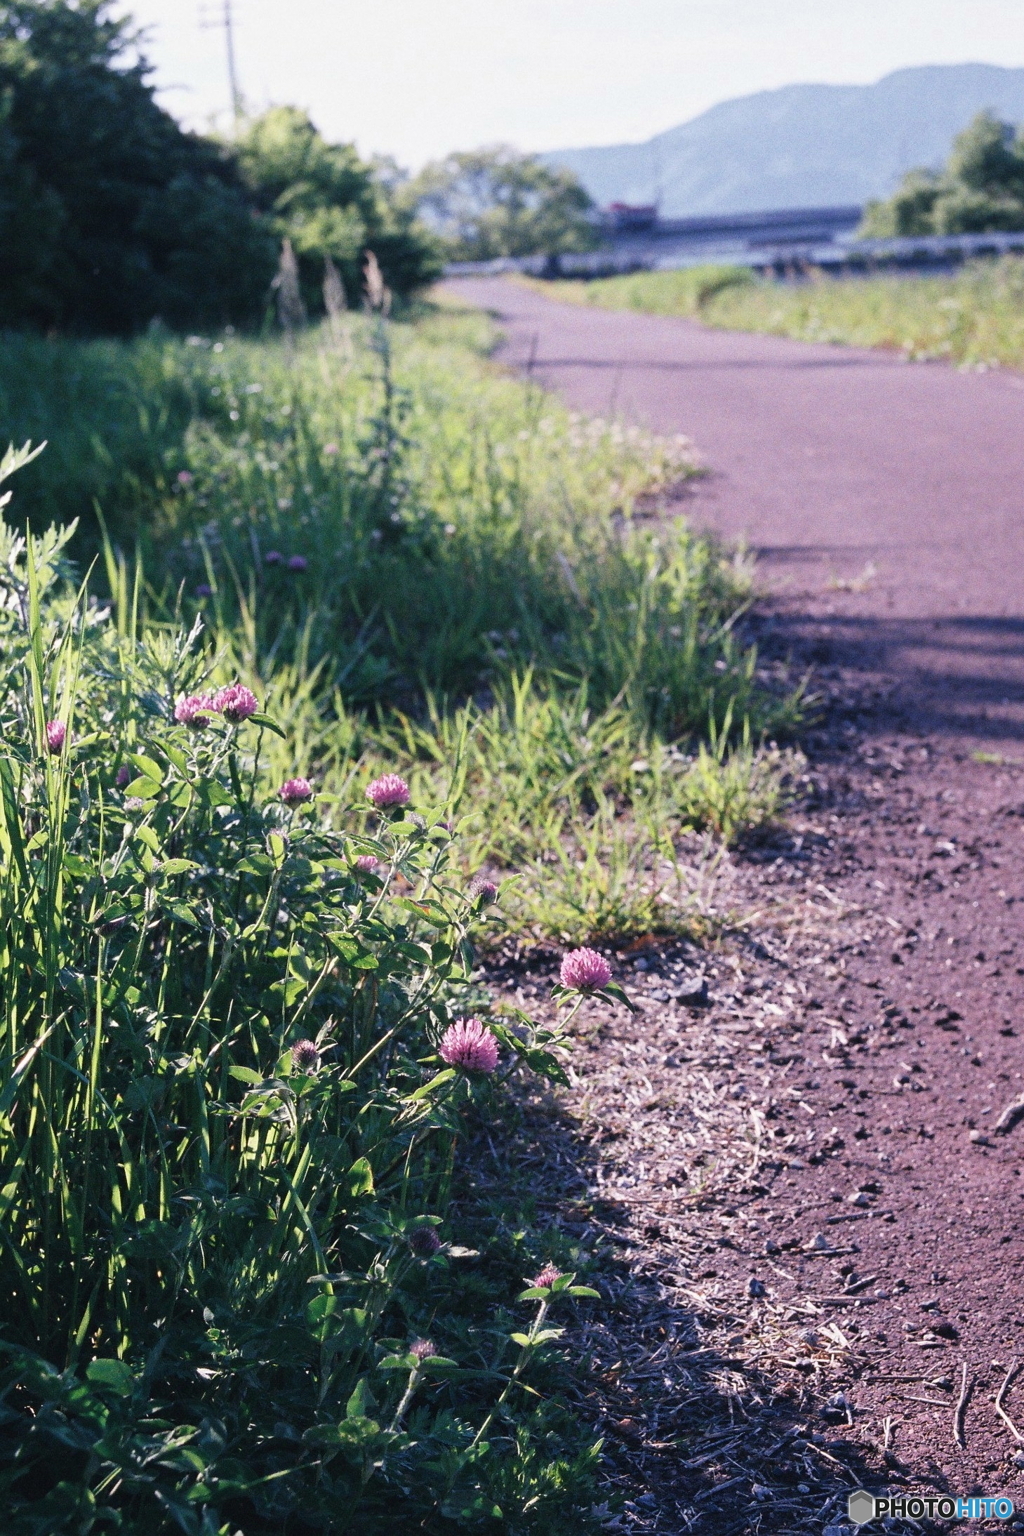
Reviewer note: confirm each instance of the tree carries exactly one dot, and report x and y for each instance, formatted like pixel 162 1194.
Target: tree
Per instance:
pixel 498 202
pixel 981 188
pixel 331 204
pixel 110 214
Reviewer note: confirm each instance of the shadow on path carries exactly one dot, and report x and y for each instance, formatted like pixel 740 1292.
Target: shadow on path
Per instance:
pixel 960 679
pixel 696 1438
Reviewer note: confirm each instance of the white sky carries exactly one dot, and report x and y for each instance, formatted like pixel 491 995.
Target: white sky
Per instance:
pixel 416 78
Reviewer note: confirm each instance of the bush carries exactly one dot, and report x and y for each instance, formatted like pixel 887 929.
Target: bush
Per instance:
pixel 228 1121
pixel 111 215
pixel 981 188
pixel 332 206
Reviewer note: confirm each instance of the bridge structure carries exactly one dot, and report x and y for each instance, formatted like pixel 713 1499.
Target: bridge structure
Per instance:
pixel 785 241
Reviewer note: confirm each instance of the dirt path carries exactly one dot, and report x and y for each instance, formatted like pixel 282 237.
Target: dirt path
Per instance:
pixel 821 1224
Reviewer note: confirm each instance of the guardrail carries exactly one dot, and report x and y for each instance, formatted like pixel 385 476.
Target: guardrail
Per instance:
pixel 854 255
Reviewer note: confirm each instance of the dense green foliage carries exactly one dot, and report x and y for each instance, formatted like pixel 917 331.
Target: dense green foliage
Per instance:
pixel 433 505
pixel 109 213
pixel 331 206
pixel 498 202
pixel 461 534
pixel 111 216
pixel 218 1252
pixel 222 1257
pixel 974 317
pixel 981 188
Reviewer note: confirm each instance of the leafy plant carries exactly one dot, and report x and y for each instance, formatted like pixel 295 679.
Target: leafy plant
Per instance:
pixel 331 205
pixel 229 1109
pixel 110 214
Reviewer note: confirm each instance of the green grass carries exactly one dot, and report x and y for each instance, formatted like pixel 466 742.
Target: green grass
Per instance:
pixel 212 1267
pixel 475 570
pixel 210 1282
pixel 974 317
pixel 684 292
pixel 586 814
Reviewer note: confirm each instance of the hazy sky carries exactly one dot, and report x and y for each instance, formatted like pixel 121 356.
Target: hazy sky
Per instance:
pixel 415 78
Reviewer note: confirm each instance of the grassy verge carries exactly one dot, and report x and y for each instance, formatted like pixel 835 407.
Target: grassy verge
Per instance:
pixel 423 562
pixel 231 1090
pixel 974 317
pixel 235 1293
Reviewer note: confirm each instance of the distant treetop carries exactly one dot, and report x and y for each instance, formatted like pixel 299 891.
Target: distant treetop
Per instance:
pixel 980 190
pixel 494 202
pixel 112 216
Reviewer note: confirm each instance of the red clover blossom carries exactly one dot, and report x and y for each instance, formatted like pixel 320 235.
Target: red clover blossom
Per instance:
pixel 236 703
pixel 390 789
pixel 305 1057
pixel 470 1045
pixel 193 710
pixel 296 791
pixel 424 1242
pixel 584 970
pixel 56 735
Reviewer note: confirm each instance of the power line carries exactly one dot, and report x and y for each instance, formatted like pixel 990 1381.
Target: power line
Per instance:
pixel 225 22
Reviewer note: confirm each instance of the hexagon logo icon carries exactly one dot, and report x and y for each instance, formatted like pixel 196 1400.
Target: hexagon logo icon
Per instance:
pixel 861 1507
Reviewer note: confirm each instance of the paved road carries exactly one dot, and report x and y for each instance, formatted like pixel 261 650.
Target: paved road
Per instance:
pixel 828 459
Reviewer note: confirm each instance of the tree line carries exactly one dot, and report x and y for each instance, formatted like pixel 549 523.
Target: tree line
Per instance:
pixel 112 215
pixel 981 188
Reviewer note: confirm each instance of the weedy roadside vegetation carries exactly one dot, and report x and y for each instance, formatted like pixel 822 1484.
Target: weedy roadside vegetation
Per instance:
pixel 236 1062
pixel 974 317
pixel 428 563
pixel 381 629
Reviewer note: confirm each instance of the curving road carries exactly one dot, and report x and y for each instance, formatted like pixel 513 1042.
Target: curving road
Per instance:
pixel 828 460
pixel 825 456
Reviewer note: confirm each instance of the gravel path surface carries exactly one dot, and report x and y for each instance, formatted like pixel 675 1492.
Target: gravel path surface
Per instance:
pixel 817 1215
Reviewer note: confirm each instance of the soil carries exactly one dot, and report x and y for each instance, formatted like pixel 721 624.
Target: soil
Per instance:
pixel 810 1218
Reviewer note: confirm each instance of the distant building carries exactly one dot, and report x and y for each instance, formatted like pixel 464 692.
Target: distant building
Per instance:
pixel 623 216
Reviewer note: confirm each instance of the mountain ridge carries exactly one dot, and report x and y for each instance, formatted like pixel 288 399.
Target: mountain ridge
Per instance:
pixel 800 145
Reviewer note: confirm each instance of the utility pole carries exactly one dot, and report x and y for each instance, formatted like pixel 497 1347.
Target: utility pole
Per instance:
pixel 225 22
